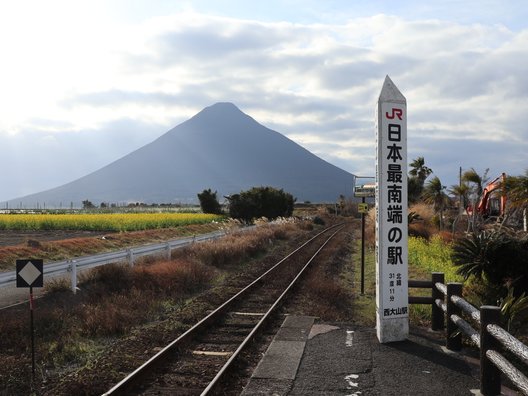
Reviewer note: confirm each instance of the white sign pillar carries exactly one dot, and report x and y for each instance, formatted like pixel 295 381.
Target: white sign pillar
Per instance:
pixel 392 306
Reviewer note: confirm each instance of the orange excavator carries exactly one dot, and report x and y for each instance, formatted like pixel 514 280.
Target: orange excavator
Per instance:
pixel 493 201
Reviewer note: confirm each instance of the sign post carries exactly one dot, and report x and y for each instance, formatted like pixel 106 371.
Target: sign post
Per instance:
pixel 392 317
pixel 30 273
pixel 363 191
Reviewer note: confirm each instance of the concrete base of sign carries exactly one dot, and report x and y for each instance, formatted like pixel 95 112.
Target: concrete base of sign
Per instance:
pixel 392 330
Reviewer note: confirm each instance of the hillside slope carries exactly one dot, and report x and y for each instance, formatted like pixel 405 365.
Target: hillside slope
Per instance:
pixel 219 148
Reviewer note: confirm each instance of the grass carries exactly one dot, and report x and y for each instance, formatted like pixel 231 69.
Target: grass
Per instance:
pixel 364 304
pixel 424 257
pixel 434 255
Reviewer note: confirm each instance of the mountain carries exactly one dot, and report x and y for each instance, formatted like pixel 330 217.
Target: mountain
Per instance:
pixel 219 148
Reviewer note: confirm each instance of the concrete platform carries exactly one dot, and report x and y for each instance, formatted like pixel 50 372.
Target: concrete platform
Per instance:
pixel 308 358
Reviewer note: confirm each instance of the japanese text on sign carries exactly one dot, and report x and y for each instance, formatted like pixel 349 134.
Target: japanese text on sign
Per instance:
pixel 392 211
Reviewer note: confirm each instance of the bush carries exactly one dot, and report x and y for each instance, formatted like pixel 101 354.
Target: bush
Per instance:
pixel 494 256
pixel 209 202
pixel 319 221
pixel 261 202
pixel 419 230
pixel 110 278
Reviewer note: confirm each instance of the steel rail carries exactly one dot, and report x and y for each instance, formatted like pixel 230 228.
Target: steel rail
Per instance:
pixel 126 382
pixel 264 318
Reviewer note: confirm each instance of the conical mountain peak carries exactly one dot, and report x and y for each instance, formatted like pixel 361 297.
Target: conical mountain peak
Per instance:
pixel 221 148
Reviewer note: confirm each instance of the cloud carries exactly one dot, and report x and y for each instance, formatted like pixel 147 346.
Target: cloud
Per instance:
pixel 465 85
pixel 35 160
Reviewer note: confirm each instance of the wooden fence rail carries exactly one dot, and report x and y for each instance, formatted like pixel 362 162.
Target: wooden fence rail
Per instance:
pixel 490 339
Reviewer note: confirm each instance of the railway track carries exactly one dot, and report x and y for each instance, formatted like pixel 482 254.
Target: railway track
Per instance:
pixel 197 361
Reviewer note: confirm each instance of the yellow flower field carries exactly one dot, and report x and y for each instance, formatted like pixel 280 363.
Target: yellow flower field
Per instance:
pixel 102 222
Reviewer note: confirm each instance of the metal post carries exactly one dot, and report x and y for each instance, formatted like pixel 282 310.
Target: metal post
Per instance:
pixel 362 249
pixel 454 336
pixel 437 315
pixel 130 256
pixel 168 248
pixel 32 334
pixel 73 267
pixel 490 379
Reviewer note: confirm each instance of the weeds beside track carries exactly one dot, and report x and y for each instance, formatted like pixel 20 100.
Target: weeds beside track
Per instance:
pixel 195 362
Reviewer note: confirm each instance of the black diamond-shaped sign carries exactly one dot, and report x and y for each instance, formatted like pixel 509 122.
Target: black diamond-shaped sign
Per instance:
pixel 29 273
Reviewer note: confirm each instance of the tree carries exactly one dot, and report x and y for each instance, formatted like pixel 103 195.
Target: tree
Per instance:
pixel 516 189
pixel 418 173
pixel 461 191
pixel 475 181
pixel 419 170
pixel 209 202
pixel 414 189
pixel 434 194
pixel 260 202
pixel 87 204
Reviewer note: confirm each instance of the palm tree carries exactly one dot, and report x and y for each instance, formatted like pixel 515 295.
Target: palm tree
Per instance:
pixel 476 185
pixel 419 170
pixel 434 194
pixel 461 191
pixel 516 189
pixel 478 181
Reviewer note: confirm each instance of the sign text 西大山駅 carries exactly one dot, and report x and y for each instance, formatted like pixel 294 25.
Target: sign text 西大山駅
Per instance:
pixel 391 215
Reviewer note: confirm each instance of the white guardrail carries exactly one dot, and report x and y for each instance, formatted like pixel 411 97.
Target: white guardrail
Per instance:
pixel 128 255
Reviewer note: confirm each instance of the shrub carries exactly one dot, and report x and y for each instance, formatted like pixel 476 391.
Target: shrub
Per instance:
pixel 319 221
pixel 512 308
pixel 261 202
pixel 419 230
pixel 109 278
pixel 209 202
pixel 494 256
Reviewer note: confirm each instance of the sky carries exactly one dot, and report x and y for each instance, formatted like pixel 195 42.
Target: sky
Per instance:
pixel 83 83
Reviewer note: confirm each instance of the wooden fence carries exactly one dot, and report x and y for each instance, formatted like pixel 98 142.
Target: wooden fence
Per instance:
pixel 491 338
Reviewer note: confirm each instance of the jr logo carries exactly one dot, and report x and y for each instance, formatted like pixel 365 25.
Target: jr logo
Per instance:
pixel 395 113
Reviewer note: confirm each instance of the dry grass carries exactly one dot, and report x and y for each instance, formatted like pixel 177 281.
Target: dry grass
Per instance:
pixel 115 299
pixel 370 228
pixel 327 291
pixel 425 211
pixel 123 296
pixel 74 247
pixel 239 245
pixel 176 277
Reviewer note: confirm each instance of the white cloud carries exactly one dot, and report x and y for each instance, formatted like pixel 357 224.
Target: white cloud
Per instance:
pixel 317 83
